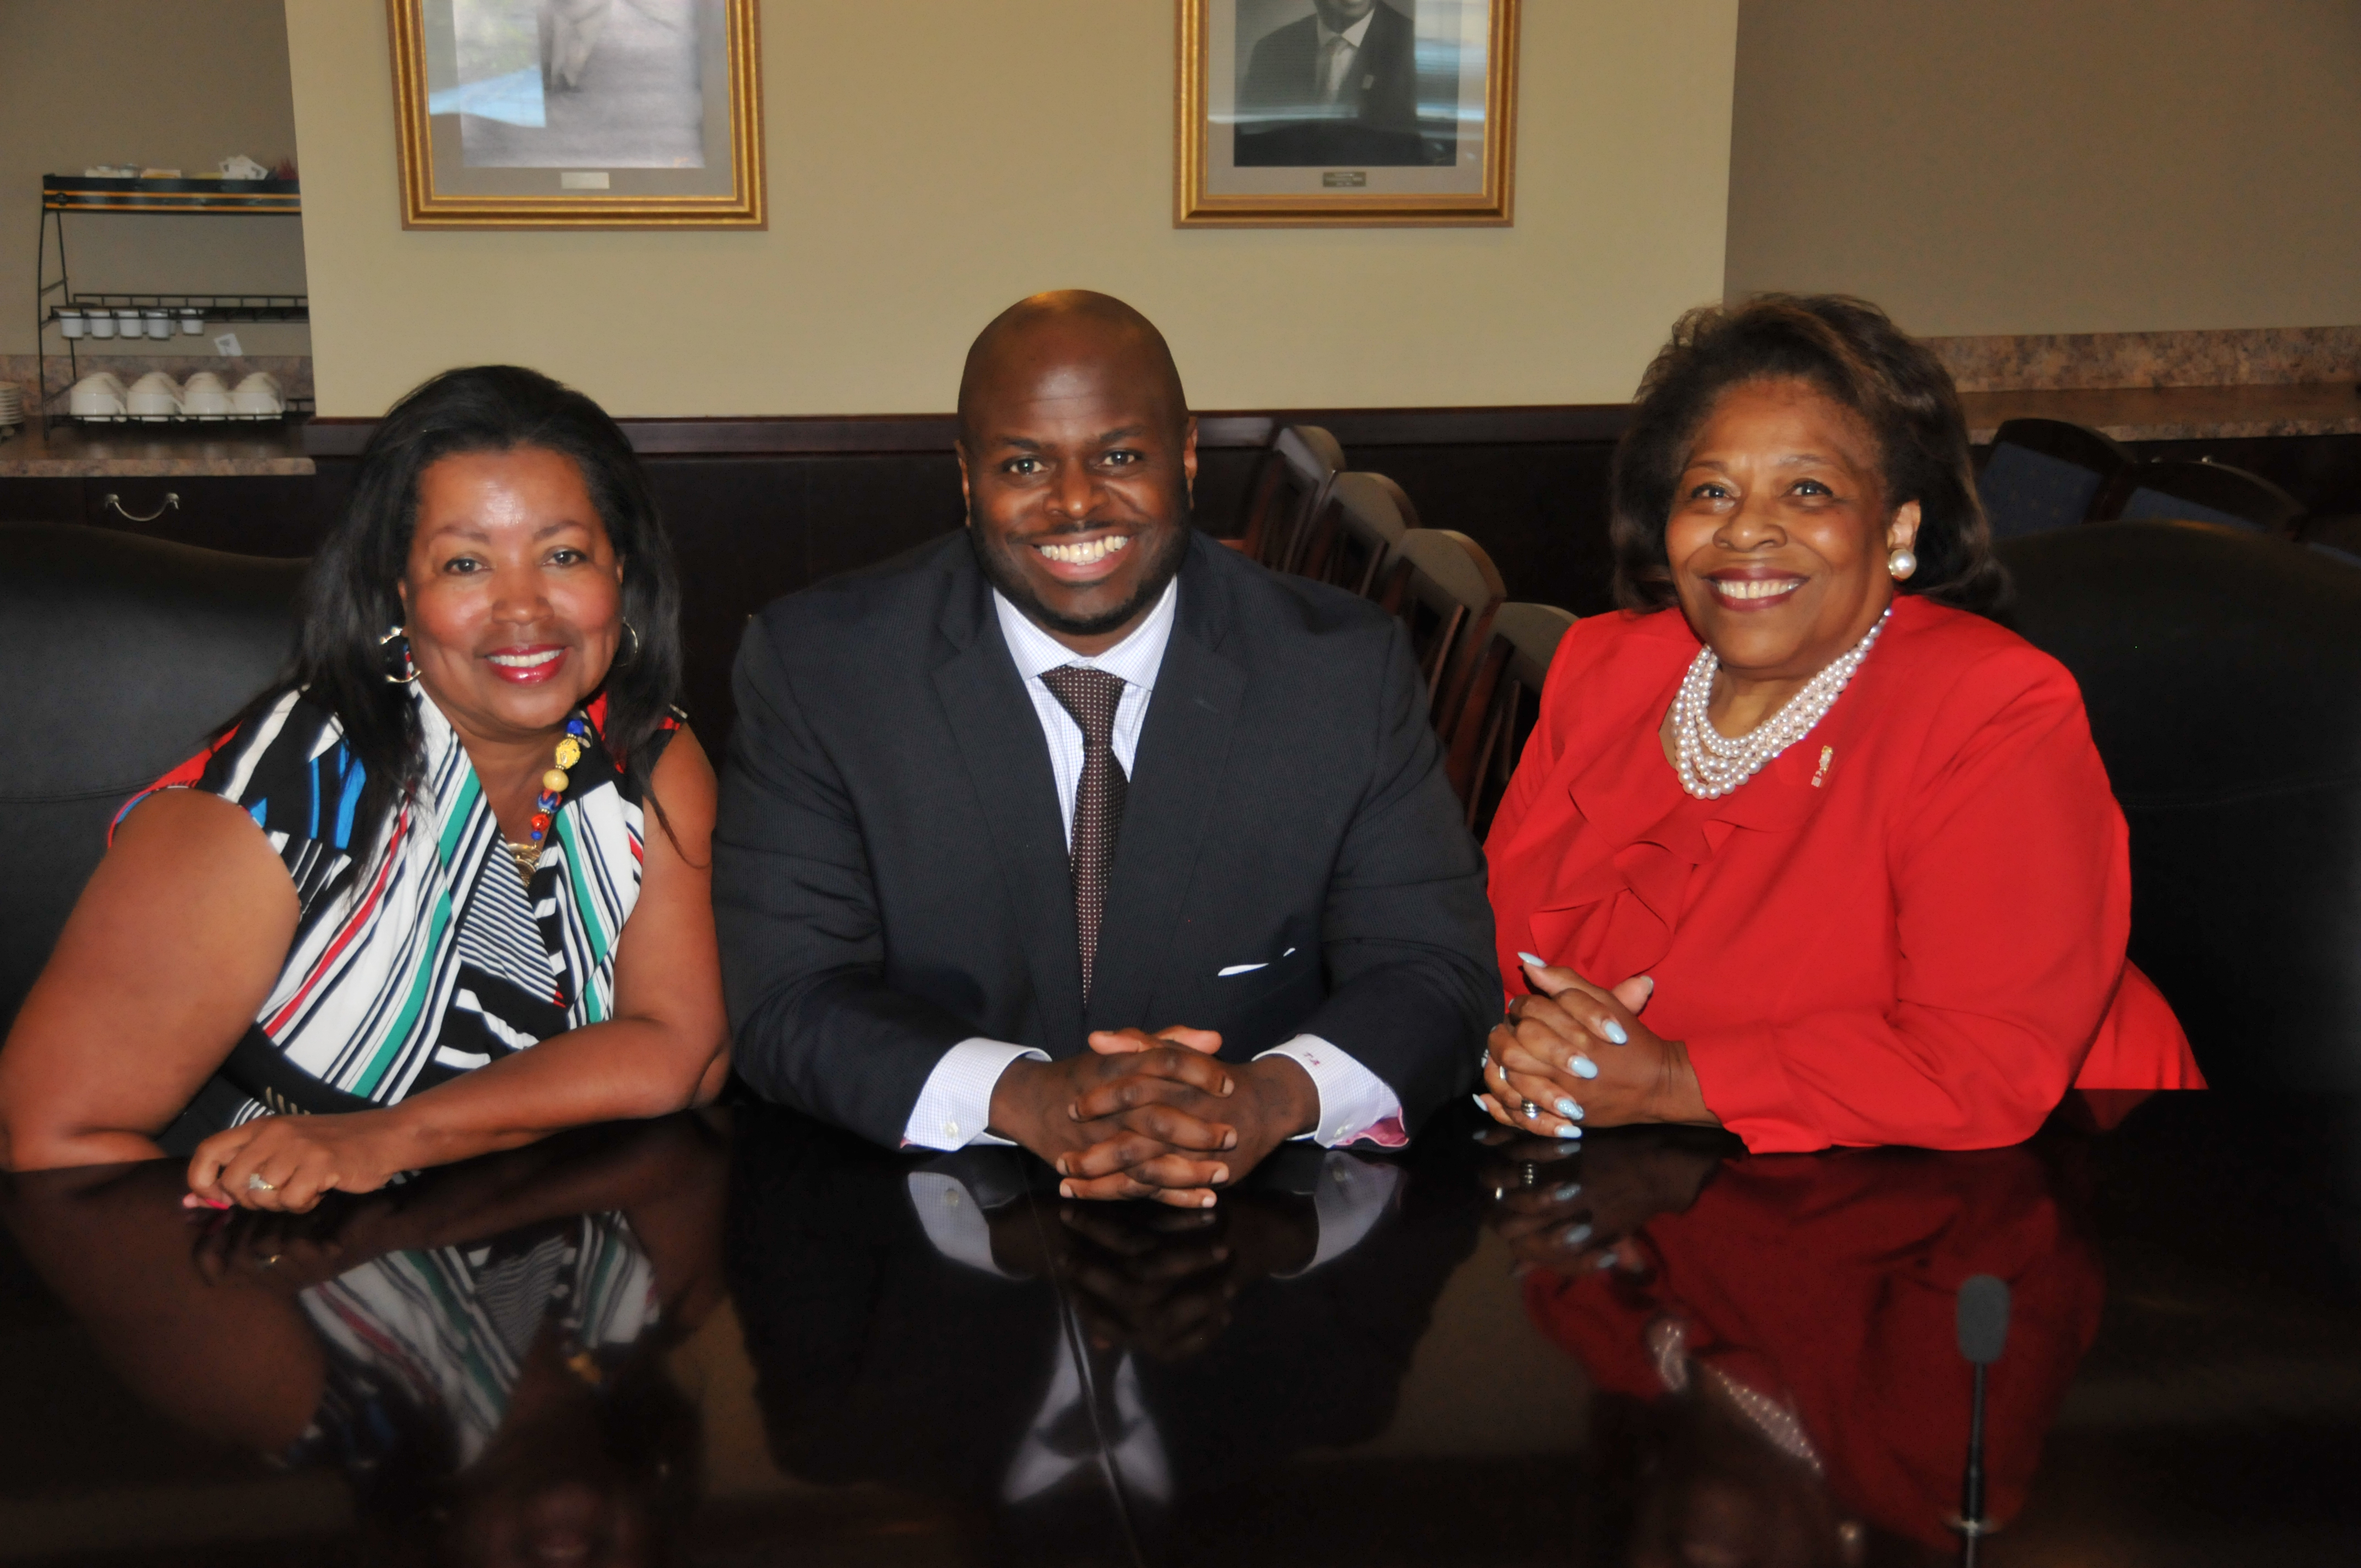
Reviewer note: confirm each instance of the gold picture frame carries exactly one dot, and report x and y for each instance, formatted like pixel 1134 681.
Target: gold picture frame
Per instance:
pixel 578 114
pixel 1383 139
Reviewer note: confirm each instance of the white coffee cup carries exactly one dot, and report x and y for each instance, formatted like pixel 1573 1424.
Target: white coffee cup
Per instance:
pixel 205 397
pixel 101 323
pixel 192 323
pixel 72 323
pixel 153 395
pixel 129 323
pixel 93 397
pixel 160 323
pixel 257 396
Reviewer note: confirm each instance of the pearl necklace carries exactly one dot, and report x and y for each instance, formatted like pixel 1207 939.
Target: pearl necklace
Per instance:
pixel 1711 764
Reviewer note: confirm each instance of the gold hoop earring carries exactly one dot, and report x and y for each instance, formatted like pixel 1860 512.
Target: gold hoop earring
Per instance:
pixel 407 663
pixel 1901 564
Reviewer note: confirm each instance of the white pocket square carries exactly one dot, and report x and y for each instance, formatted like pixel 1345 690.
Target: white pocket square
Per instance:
pixel 1250 968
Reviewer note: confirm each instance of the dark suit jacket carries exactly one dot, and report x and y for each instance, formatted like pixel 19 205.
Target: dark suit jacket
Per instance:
pixel 891 874
pixel 1282 122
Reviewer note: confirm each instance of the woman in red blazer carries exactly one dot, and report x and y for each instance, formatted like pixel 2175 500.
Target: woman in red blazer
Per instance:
pixel 1845 843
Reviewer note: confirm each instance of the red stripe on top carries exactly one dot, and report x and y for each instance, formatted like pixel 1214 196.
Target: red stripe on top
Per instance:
pixel 360 918
pixel 182 777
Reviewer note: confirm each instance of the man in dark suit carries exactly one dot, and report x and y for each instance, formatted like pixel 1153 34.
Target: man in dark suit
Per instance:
pixel 992 810
pixel 1338 87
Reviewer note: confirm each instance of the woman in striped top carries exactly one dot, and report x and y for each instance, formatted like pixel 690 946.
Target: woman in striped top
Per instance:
pixel 413 882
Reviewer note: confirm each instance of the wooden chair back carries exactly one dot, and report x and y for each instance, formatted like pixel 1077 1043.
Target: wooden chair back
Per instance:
pixel 2041 474
pixel 1446 589
pixel 2207 491
pixel 1481 749
pixel 1354 531
pixel 1289 485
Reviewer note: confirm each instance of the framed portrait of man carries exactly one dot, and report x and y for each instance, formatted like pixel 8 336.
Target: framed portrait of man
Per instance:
pixel 600 114
pixel 1346 112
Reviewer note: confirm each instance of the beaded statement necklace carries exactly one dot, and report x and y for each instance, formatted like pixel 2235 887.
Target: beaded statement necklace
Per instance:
pixel 527 855
pixel 1711 764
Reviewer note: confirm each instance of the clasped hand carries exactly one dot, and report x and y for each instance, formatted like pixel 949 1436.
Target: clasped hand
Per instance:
pixel 1580 1056
pixel 1158 1115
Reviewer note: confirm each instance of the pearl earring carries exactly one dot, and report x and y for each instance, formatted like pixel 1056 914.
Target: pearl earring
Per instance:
pixel 1902 563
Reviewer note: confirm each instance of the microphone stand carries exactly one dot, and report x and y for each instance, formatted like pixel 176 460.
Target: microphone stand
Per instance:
pixel 1983 1312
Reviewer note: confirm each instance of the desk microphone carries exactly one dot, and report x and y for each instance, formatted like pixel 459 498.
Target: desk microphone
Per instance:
pixel 1983 1334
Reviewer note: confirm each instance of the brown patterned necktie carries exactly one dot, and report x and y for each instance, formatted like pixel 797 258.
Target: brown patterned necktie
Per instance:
pixel 1091 696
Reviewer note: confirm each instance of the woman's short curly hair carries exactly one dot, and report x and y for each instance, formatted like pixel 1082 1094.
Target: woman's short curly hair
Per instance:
pixel 1851 351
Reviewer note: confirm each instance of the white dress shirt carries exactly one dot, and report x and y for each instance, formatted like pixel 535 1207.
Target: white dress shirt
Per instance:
pixel 954 1107
pixel 1337 54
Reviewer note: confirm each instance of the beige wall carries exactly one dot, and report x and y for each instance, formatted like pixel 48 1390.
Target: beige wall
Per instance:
pixel 2040 166
pixel 166 83
pixel 929 166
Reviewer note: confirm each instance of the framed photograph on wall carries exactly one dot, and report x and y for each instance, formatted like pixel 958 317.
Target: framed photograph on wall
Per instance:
pixel 594 114
pixel 1346 112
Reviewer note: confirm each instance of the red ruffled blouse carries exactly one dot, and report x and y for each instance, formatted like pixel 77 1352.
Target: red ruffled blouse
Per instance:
pixel 1907 928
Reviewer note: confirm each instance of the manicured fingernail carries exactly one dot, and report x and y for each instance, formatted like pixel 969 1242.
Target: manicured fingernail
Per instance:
pixel 1074 1111
pixel 1607 1260
pixel 1568 1130
pixel 1059 1165
pixel 1650 981
pixel 1567 1193
pixel 1221 1174
pixel 1535 959
pixel 1480 1134
pixel 1227 1086
pixel 1575 1236
pixel 1615 1032
pixel 1581 1066
pixel 1065 1190
pixel 1479 1105
pixel 1209 1201
pixel 1569 1109
pixel 1230 1140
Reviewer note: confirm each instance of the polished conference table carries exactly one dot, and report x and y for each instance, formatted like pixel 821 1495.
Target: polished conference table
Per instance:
pixel 746 1339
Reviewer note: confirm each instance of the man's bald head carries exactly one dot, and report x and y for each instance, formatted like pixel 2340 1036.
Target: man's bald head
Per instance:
pixel 1067 338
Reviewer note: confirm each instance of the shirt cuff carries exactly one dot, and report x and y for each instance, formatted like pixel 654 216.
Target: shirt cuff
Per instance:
pixel 1350 1196
pixel 955 1106
pixel 1355 1105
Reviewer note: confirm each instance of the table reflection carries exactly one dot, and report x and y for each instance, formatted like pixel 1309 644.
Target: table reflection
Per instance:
pixel 750 1338
pixel 477 1350
pixel 954 1328
pixel 1774 1339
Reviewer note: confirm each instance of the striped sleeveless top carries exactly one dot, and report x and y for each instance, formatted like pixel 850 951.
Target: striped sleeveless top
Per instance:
pixel 433 959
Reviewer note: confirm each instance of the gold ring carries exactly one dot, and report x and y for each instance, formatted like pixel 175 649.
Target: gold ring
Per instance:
pixel 254 1183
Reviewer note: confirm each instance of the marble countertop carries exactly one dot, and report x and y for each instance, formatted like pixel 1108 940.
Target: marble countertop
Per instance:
pixel 68 452
pixel 2177 413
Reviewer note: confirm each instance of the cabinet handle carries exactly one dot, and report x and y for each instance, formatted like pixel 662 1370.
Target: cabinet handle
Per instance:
pixel 170 502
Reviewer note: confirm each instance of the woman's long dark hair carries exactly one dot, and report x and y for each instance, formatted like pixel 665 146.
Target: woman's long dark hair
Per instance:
pixel 350 599
pixel 1853 353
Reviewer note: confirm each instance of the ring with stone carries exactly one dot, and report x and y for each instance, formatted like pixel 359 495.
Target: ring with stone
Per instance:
pixel 253 1182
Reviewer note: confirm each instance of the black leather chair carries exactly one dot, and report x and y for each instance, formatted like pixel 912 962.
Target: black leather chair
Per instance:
pixel 118 655
pixel 2222 670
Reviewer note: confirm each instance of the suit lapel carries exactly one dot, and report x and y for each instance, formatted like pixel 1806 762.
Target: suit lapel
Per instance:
pixel 1007 764
pixel 1169 814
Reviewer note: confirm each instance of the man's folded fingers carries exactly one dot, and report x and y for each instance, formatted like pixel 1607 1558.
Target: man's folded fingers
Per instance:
pixel 1179 1170
pixel 1115 1187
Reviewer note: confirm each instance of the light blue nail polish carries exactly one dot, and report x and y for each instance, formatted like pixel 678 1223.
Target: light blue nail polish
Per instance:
pixel 1569 1109
pixel 1582 1066
pixel 1615 1032
pixel 1569 1131
pixel 1576 1235
pixel 1535 959
pixel 1607 1260
pixel 1566 1193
